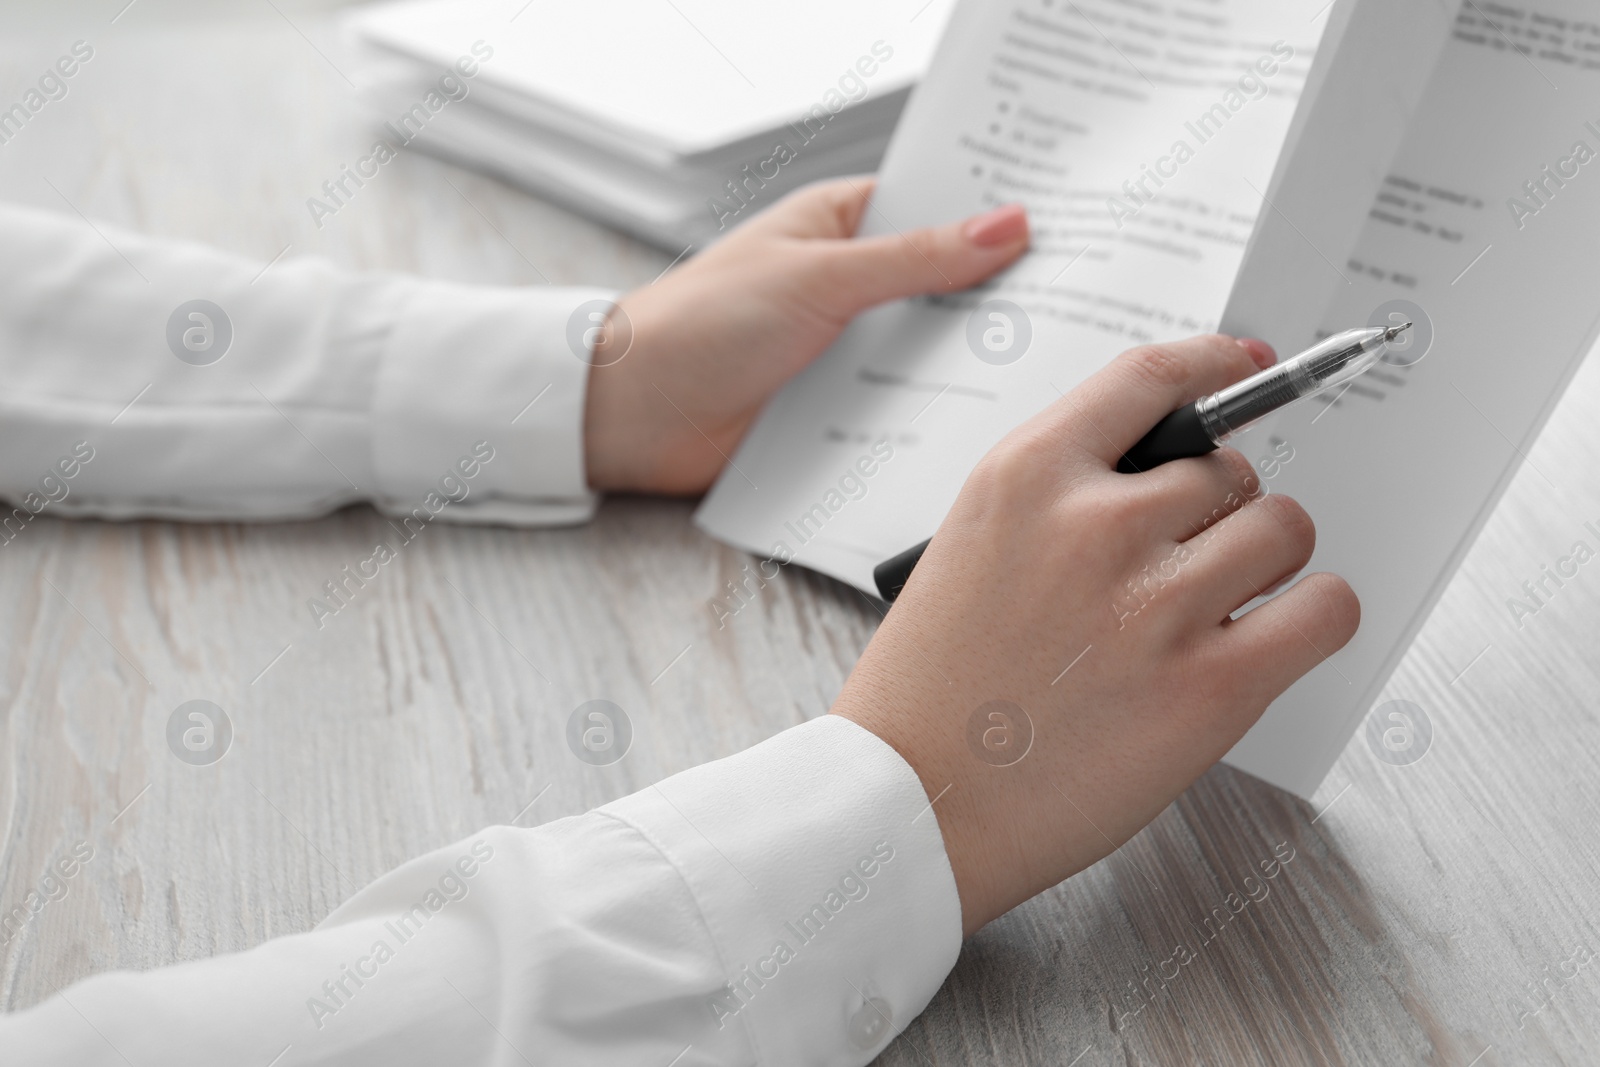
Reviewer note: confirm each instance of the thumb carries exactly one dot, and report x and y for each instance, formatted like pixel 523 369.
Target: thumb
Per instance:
pixel 936 259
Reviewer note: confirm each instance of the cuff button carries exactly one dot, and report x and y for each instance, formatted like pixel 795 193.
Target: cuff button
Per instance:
pixel 871 1024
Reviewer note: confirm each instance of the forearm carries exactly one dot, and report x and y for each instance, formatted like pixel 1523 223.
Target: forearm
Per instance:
pixel 787 905
pixel 297 390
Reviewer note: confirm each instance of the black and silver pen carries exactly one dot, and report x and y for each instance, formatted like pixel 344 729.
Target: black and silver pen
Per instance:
pixel 1198 428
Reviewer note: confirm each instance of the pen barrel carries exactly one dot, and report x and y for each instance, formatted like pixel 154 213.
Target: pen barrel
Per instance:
pixel 891 575
pixel 1331 363
pixel 1180 435
pixel 1233 409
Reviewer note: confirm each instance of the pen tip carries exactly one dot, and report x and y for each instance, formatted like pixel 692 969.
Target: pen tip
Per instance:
pixel 1396 331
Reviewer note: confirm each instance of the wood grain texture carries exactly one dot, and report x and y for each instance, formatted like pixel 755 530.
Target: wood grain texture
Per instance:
pixel 1424 916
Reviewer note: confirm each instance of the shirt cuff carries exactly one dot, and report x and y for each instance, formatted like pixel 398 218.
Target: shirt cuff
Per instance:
pixel 819 869
pixel 470 372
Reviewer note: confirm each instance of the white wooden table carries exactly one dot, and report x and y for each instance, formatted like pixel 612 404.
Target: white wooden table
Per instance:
pixel 1442 912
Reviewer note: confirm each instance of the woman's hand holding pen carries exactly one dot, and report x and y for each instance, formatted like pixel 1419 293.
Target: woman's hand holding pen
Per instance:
pixel 1099 604
pixel 710 342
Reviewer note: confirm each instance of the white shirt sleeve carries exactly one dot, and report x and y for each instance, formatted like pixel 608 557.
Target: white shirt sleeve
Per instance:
pixel 788 905
pixel 299 388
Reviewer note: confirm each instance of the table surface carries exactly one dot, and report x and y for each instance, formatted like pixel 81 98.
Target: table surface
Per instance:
pixel 1441 912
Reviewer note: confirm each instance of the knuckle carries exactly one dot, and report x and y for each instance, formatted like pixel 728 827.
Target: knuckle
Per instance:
pixel 1237 470
pixel 835 205
pixel 923 248
pixel 1233 353
pixel 1122 509
pixel 1117 505
pixel 837 194
pixel 911 251
pixel 1336 604
pixel 1158 366
pixel 1223 485
pixel 1009 469
pixel 1296 523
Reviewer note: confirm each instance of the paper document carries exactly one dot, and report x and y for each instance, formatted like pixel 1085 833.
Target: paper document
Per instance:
pixel 1485 229
pixel 1392 189
pixel 1072 109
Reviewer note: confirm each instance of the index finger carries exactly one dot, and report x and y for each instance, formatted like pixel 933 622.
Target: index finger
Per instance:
pixel 1108 414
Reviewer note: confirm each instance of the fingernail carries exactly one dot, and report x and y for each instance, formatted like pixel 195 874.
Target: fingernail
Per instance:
pixel 1261 352
pixel 1003 225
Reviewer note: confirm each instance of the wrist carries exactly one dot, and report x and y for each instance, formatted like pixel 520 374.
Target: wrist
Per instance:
pixel 1021 802
pixel 979 826
pixel 600 458
pixel 608 402
pixel 657 415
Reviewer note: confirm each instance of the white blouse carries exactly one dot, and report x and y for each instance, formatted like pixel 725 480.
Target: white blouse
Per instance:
pixel 791 904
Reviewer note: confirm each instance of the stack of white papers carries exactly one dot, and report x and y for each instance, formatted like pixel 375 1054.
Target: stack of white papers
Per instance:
pixel 670 119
